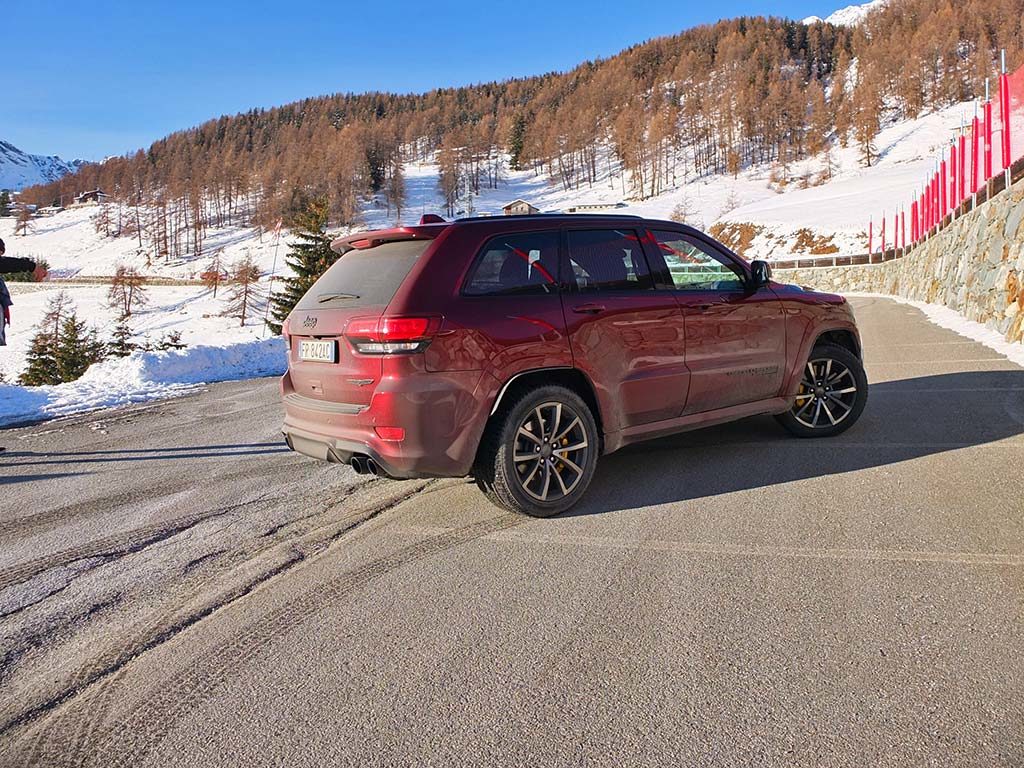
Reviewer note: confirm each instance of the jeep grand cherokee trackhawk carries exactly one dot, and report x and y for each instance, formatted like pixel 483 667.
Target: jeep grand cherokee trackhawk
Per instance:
pixel 519 349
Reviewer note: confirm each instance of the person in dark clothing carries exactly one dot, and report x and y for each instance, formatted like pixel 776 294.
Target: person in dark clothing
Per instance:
pixel 8 266
pixel 5 296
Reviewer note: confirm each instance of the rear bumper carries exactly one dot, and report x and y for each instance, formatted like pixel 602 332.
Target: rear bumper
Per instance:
pixel 441 413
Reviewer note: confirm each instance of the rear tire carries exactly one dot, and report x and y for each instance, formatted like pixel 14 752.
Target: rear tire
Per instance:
pixel 539 453
pixel 832 396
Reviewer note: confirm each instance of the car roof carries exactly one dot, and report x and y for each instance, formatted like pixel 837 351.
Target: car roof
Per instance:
pixel 371 238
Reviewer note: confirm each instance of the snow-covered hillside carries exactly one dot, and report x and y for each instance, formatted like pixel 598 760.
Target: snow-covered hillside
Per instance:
pixel 838 210
pixel 19 169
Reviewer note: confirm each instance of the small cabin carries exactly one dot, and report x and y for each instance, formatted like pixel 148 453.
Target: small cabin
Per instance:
pixel 92 197
pixel 519 208
pixel 594 207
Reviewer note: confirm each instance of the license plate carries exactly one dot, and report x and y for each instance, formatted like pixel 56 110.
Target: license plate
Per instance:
pixel 317 351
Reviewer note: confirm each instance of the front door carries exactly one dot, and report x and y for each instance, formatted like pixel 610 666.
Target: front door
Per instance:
pixel 735 337
pixel 625 335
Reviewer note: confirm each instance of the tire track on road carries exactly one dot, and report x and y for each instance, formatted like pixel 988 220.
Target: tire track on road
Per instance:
pixel 112 667
pixel 117 545
pixel 150 722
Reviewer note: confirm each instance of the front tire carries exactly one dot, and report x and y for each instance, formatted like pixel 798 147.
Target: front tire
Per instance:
pixel 833 393
pixel 539 453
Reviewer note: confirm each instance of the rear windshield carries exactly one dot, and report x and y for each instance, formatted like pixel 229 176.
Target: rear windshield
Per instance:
pixel 364 278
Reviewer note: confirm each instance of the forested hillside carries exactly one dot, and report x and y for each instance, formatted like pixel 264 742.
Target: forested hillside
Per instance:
pixel 711 100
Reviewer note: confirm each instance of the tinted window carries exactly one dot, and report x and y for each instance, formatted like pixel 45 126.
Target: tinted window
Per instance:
pixel 608 260
pixel 693 267
pixel 516 264
pixel 363 278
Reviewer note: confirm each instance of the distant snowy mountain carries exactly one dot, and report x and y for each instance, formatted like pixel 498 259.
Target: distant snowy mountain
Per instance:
pixel 19 169
pixel 850 16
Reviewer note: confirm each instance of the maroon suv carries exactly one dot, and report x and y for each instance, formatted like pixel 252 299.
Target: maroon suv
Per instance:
pixel 519 349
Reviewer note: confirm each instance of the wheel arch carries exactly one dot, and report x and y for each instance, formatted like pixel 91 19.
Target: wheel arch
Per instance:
pixel 566 376
pixel 841 337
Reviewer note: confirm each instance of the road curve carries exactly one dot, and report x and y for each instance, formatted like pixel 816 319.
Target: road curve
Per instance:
pixel 178 589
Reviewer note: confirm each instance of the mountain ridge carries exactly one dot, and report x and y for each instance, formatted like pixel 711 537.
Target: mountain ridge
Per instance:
pixel 19 169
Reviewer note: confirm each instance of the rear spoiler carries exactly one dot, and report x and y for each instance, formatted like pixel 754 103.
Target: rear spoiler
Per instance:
pixel 429 227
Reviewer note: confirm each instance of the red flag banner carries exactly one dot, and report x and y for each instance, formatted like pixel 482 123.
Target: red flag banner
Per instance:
pixel 1015 101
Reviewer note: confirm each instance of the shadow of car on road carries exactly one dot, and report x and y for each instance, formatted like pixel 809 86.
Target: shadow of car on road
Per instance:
pixel 48 458
pixel 904 420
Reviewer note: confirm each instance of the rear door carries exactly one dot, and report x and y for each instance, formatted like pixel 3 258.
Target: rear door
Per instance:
pixel 627 336
pixel 360 284
pixel 735 338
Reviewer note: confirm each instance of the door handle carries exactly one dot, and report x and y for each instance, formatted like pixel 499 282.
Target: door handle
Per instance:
pixel 589 309
pixel 705 305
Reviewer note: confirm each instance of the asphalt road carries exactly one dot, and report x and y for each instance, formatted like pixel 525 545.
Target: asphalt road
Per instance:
pixel 178 589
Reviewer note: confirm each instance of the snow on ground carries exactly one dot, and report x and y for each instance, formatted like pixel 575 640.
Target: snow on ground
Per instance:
pixel 190 310
pixel 140 377
pixel 69 243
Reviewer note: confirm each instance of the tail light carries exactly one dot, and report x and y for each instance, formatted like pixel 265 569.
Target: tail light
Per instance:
pixel 391 335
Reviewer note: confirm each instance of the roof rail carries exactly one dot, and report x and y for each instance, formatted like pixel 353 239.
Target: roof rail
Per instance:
pixel 553 215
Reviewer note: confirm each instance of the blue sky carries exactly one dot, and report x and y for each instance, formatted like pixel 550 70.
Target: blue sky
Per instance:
pixel 97 78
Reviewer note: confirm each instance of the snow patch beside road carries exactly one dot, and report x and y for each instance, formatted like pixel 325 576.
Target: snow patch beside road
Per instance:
pixel 143 376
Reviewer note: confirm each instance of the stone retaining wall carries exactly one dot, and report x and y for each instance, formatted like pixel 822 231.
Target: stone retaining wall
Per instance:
pixel 974 266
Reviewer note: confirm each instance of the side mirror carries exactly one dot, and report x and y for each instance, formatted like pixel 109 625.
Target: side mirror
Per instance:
pixel 760 273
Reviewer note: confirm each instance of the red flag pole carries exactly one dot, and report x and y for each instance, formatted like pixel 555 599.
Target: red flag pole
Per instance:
pixel 975 136
pixel 935 199
pixel 913 221
pixel 928 207
pixel 952 176
pixel 871 237
pixel 962 192
pixel 883 233
pixel 943 201
pixel 988 134
pixel 1004 110
pixel 920 213
pixel 903 228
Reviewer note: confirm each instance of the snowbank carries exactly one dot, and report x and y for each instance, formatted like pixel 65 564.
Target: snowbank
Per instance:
pixel 143 376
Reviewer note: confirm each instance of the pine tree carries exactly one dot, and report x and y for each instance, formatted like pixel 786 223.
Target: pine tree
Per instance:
pixel 41 361
pixel 77 348
pixel 172 340
pixel 308 258
pixel 517 141
pixel 121 342
pixel 5 203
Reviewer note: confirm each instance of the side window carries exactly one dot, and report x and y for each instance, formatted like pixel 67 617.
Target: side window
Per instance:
pixel 516 264
pixel 608 260
pixel 692 268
